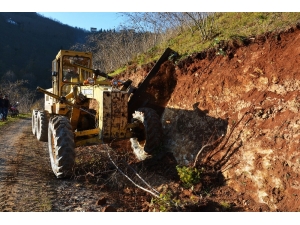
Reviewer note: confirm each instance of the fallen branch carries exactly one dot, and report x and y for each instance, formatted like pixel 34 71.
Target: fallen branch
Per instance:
pixel 144 189
pixel 156 194
pixel 203 147
pixel 149 186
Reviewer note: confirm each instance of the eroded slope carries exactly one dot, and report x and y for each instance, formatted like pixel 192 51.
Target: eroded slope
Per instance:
pixel 245 102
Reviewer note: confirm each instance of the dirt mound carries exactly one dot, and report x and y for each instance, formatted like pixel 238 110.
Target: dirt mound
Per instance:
pixel 245 94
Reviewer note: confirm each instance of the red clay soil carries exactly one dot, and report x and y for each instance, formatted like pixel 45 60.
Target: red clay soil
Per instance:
pixel 241 110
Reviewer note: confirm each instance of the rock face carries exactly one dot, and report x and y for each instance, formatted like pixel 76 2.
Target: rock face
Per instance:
pixel 244 106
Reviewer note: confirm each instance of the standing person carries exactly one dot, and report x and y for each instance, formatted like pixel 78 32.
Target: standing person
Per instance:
pixel 6 105
pixel 1 106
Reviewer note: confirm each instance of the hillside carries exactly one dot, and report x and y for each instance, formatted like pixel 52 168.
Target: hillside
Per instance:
pixel 29 43
pixel 245 104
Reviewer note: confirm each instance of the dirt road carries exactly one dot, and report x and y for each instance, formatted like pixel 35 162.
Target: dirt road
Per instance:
pixel 27 183
pixel 22 188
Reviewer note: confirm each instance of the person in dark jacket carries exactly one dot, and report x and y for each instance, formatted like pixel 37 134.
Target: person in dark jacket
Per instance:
pixel 1 106
pixel 6 105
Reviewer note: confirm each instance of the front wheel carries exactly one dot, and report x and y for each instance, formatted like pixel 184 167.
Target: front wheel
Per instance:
pixel 148 133
pixel 61 146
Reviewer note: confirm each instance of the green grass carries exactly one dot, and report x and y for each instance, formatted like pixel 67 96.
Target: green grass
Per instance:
pixel 13 119
pixel 227 26
pixel 252 24
pixel 118 71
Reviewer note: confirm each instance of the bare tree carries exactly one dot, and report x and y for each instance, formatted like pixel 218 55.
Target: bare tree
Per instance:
pixel 143 31
pixel 18 92
pixel 113 50
pixel 203 22
pixel 166 22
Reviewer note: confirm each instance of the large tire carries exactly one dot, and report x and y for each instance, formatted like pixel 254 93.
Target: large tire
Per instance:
pixel 33 121
pixel 42 120
pixel 61 146
pixel 148 135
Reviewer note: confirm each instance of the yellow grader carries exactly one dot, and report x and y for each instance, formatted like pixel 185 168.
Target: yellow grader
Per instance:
pixel 86 106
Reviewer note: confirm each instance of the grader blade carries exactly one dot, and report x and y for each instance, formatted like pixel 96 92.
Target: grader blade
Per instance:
pixel 156 88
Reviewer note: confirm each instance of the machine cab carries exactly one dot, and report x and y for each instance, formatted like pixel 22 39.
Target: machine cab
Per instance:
pixel 66 73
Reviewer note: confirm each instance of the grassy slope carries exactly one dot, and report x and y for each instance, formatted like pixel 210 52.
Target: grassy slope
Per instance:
pixel 229 25
pixel 226 26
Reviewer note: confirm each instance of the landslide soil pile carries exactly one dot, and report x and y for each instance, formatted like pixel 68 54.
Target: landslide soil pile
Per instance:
pixel 239 103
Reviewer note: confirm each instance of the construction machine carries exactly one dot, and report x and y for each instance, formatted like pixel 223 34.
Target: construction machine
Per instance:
pixel 85 106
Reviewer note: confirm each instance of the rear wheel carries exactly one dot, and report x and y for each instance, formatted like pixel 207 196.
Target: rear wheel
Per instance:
pixel 148 134
pixel 33 121
pixel 42 120
pixel 61 146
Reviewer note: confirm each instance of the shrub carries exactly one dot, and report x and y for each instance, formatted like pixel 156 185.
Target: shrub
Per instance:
pixel 188 175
